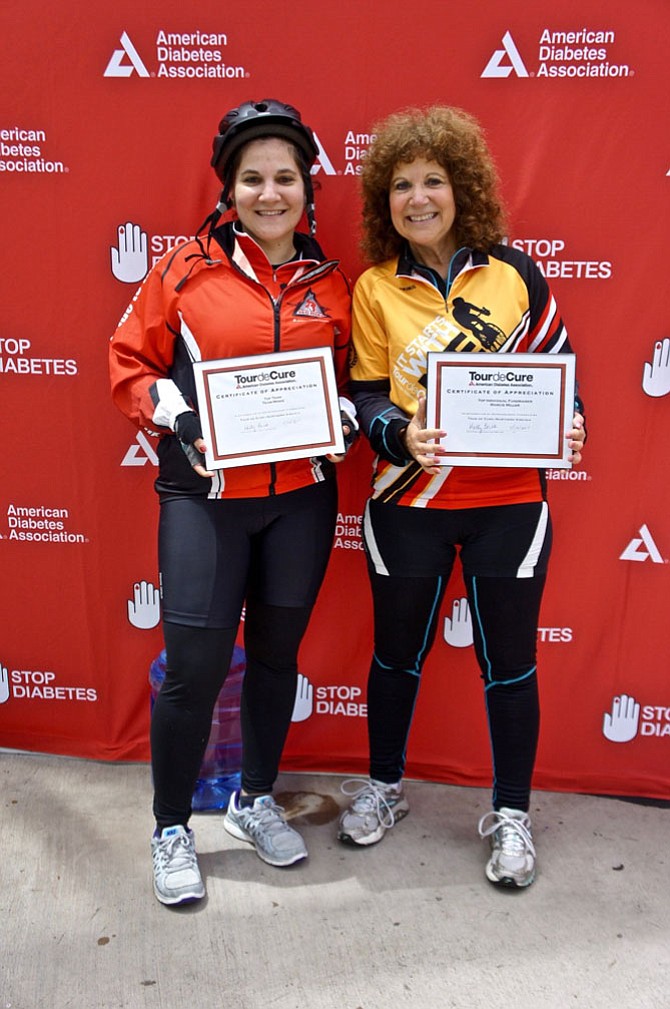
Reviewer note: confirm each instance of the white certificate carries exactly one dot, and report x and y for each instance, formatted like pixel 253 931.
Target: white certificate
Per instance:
pixel 269 407
pixel 502 409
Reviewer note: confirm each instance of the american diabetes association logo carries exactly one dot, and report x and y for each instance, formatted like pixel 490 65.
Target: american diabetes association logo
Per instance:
pixel 195 55
pixel 585 52
pixel 23 149
pixel 40 524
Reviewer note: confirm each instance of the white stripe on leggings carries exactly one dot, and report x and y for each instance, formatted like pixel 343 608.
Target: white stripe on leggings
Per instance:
pixel 527 566
pixel 371 543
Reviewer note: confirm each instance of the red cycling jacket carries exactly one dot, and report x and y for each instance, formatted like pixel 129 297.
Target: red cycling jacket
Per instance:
pixel 215 298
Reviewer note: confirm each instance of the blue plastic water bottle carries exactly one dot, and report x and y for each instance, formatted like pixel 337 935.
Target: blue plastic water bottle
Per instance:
pixel 220 769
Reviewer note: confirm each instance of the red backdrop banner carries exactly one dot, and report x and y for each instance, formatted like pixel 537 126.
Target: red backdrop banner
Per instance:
pixel 105 133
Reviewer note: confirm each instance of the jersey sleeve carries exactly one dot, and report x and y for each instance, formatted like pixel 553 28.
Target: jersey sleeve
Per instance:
pixel 370 342
pixel 380 419
pixel 141 351
pixel 342 339
pixel 548 333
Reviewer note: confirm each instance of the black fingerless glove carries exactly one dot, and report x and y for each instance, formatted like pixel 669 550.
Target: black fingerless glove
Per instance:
pixel 354 430
pixel 188 430
pixel 187 427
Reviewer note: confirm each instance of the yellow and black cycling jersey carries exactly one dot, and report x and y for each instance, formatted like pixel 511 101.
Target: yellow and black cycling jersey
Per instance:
pixel 491 303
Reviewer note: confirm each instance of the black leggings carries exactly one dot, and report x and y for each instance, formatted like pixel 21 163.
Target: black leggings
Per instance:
pixel 198 661
pixel 504 552
pixel 213 555
pixel 504 615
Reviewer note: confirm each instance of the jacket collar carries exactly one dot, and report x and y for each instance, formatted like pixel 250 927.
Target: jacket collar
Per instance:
pixel 465 258
pixel 228 234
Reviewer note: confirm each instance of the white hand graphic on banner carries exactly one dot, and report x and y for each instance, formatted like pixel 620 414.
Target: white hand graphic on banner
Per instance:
pixel 458 627
pixel 656 377
pixel 621 725
pixel 130 260
pixel 4 684
pixel 304 700
pixel 144 610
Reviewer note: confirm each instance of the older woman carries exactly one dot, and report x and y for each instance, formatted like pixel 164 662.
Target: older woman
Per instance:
pixel 441 280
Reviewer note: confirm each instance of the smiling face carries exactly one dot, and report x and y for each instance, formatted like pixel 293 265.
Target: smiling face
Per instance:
pixel 269 195
pixel 423 209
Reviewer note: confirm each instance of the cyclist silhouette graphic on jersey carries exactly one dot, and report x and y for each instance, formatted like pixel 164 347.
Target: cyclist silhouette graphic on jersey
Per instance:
pixel 470 317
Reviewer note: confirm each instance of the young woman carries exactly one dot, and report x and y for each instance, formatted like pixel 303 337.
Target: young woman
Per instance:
pixel 441 280
pixel 258 533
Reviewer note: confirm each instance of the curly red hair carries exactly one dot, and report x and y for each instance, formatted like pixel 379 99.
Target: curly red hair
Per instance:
pixel 456 141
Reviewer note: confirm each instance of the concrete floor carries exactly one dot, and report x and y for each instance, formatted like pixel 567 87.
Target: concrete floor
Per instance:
pixel 409 922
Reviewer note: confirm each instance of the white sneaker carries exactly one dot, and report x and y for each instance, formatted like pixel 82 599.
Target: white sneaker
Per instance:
pixel 177 878
pixel 375 809
pixel 512 861
pixel 264 826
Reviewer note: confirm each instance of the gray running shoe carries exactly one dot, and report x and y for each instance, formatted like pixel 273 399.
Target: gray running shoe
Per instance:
pixel 375 809
pixel 264 826
pixel 512 861
pixel 177 877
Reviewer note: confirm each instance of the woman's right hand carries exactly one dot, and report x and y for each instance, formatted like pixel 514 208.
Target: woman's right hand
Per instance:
pixel 420 441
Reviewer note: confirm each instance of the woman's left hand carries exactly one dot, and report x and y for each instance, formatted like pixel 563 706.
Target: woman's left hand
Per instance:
pixel 350 428
pixel 197 466
pixel 346 431
pixel 576 438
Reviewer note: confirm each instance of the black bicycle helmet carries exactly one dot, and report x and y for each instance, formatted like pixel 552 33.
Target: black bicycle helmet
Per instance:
pixel 250 120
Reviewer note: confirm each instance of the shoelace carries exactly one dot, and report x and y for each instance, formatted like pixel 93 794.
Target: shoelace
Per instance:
pixel 515 837
pixel 178 852
pixel 270 818
pixel 368 798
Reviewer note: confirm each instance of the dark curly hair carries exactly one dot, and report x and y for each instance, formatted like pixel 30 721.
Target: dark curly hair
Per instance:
pixel 456 141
